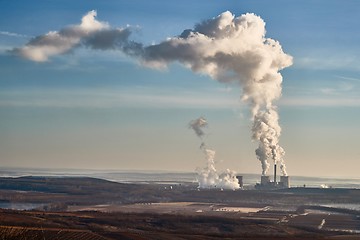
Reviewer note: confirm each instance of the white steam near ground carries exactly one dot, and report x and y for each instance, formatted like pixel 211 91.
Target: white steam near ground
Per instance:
pixel 227 48
pixel 208 177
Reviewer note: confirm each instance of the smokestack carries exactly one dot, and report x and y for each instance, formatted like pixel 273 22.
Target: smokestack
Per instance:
pixel 275 173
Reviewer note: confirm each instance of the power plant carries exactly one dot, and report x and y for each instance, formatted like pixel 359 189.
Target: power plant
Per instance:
pixel 266 183
pixel 208 177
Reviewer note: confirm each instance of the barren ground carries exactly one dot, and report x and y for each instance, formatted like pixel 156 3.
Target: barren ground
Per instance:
pixel 86 208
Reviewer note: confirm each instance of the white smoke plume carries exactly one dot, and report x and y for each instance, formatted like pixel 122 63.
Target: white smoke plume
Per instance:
pixel 267 130
pixel 90 33
pixel 227 48
pixel 235 49
pixel 208 177
pixel 197 125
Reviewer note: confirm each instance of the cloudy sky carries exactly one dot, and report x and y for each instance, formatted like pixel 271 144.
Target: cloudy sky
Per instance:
pixel 74 92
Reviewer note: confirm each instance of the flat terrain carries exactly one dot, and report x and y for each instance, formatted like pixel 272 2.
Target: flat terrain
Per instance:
pixel 87 208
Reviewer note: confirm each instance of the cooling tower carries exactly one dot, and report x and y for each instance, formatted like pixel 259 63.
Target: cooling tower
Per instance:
pixel 265 180
pixel 285 181
pixel 240 181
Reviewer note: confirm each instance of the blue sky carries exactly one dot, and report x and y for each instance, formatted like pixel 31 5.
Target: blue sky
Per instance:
pixel 96 109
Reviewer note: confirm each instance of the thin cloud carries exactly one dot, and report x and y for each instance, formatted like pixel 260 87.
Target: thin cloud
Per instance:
pixel 349 62
pixel 342 87
pixel 349 78
pixel 11 34
pixel 149 98
pixel 320 102
pixel 108 98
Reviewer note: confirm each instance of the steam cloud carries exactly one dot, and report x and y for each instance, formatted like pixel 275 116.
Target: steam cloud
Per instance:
pixel 208 177
pixel 227 48
pixel 197 125
pixel 89 33
pixel 235 49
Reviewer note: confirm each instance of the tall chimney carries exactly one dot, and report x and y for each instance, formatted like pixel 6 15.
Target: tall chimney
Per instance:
pixel 275 173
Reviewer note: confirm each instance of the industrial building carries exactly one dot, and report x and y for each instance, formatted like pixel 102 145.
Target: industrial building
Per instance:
pixel 266 182
pixel 240 181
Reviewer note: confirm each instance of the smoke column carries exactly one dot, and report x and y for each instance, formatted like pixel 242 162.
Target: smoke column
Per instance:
pixel 234 49
pixel 208 177
pixel 227 48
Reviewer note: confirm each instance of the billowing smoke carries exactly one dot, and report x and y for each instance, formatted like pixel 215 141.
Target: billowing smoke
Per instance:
pixel 197 125
pixel 89 33
pixel 234 49
pixel 267 130
pixel 208 177
pixel 227 48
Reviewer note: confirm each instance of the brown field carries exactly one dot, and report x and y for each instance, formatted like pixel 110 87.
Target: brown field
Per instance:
pixel 97 225
pixel 85 208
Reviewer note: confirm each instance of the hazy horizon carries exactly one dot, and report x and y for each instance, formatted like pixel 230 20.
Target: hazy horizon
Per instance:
pixel 89 102
pixel 63 171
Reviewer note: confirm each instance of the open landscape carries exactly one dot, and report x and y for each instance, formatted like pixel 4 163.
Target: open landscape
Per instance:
pixel 89 208
pixel 177 120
